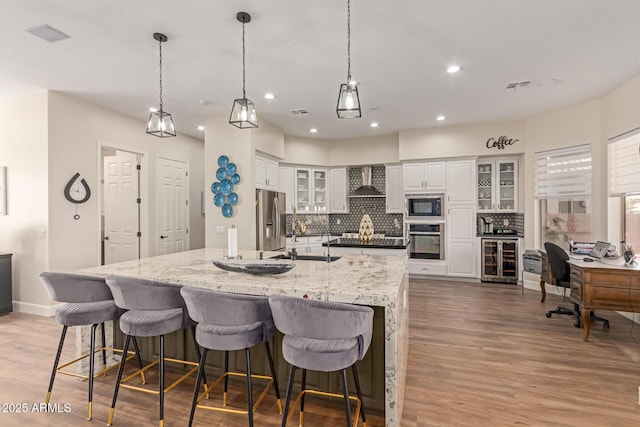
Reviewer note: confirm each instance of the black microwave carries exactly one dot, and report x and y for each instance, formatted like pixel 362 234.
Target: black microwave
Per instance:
pixel 424 206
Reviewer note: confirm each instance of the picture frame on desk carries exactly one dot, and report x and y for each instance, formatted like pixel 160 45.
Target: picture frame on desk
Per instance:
pixel 3 190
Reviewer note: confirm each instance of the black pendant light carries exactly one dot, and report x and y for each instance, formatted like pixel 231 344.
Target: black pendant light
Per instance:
pixel 348 100
pixel 160 122
pixel 243 113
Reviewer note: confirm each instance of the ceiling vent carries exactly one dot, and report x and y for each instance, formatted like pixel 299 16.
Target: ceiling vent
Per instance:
pixel 48 33
pixel 300 112
pixel 518 85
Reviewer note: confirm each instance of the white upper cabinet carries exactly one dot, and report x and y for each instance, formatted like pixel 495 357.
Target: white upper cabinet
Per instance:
pixel 393 189
pixel 338 195
pixel 267 174
pixel 461 182
pixel 285 185
pixel 429 176
pixel 311 190
pixel 498 185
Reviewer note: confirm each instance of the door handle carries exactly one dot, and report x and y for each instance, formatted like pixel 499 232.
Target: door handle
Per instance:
pixel 106 237
pixel 164 237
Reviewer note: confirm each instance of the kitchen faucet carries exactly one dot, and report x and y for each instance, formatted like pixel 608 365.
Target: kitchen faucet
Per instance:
pixel 328 244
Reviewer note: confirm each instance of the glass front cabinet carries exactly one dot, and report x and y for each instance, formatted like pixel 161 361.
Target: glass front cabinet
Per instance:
pixel 311 190
pixel 498 185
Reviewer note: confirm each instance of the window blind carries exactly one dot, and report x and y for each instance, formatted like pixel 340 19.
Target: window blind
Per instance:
pixel 624 164
pixel 564 173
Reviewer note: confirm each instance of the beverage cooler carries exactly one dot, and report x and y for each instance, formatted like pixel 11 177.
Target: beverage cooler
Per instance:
pixel 500 260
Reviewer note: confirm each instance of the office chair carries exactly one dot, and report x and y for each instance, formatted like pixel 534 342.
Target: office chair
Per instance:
pixel 560 274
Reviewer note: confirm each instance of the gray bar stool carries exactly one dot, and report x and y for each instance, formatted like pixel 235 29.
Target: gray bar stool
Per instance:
pixel 86 301
pixel 155 309
pixel 229 322
pixel 322 336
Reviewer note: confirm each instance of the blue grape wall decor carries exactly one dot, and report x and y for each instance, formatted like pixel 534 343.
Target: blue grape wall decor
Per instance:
pixel 223 195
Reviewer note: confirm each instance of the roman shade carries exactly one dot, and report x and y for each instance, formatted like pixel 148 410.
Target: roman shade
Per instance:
pixel 624 164
pixel 564 173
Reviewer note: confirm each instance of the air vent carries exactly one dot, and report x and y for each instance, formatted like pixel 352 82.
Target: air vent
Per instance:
pixel 48 33
pixel 518 85
pixel 300 112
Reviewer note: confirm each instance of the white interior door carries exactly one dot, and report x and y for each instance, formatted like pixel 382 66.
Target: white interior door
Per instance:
pixel 172 206
pixel 121 207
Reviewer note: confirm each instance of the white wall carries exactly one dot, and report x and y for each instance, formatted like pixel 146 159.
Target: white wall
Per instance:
pixel 364 151
pixel 55 135
pixel 460 141
pixel 23 150
pixel 240 146
pixel 306 151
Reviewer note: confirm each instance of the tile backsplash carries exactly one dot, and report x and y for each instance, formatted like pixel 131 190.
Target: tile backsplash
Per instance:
pixel 389 224
pixel 516 221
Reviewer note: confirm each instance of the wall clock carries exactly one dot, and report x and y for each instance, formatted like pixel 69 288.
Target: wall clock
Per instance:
pixel 77 191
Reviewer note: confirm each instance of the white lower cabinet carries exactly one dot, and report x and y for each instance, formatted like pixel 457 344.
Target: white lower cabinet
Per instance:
pixel 421 267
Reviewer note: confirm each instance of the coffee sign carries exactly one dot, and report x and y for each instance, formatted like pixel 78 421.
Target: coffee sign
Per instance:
pixel 501 142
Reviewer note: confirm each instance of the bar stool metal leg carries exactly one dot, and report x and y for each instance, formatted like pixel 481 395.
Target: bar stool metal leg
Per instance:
pixel 55 363
pixel 161 375
pixel 249 390
pixel 292 375
pixel 357 381
pixel 92 349
pixel 198 355
pixel 273 375
pixel 138 358
pixel 104 352
pixel 303 387
pixel 347 408
pixel 226 378
pixel 123 360
pixel 203 359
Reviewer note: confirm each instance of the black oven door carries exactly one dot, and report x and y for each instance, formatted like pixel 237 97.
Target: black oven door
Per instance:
pixel 425 241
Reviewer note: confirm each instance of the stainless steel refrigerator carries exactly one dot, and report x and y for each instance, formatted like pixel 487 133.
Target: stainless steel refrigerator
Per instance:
pixel 271 221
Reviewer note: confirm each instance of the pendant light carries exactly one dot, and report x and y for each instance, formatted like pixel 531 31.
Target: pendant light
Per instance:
pixel 160 122
pixel 348 100
pixel 243 112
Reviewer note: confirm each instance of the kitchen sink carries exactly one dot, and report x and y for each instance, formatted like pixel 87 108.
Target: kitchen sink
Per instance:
pixel 308 257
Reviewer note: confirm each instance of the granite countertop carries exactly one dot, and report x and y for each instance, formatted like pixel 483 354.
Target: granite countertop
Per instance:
pixel 386 243
pixel 359 279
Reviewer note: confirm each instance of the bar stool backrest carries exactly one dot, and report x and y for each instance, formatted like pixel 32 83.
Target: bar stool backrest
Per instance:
pixel 75 288
pixel 133 293
pixel 322 320
pixel 224 308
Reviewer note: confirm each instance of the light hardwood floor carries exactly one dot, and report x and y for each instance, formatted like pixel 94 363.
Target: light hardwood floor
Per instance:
pixel 480 355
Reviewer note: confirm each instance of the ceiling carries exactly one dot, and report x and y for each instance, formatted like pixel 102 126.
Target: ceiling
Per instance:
pixel 297 49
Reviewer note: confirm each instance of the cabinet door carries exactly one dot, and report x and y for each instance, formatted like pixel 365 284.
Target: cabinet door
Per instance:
pixel 393 189
pixel 338 195
pixel 506 184
pixel 261 173
pixel 435 176
pixel 320 190
pixel 461 188
pixel 303 190
pixel 272 174
pixel 461 254
pixel 285 185
pixel 413 176
pixel 485 186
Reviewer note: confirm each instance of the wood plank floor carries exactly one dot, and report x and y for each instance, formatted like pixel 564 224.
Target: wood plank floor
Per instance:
pixel 480 355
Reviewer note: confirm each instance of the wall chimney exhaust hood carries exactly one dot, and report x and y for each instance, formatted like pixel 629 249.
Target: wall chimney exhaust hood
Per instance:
pixel 366 189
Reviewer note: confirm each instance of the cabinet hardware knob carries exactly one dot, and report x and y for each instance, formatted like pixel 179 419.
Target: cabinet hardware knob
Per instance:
pixel 164 237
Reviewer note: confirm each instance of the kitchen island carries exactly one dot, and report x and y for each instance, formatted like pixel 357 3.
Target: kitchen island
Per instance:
pixel 377 281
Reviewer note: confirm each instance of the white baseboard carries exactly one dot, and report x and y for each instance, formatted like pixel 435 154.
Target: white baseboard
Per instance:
pixel 38 309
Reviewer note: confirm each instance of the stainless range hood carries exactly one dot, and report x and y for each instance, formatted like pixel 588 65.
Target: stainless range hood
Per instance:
pixel 366 189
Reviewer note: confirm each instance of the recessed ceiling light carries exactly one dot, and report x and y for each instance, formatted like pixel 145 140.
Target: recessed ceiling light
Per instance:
pixel 440 118
pixel 153 110
pixel 313 130
pixel 200 127
pixel 453 69
pixel 48 33
pixel 374 124
pixel 269 96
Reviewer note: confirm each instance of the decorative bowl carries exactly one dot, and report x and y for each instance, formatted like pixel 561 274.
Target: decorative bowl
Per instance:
pixel 258 267
pixel 226 187
pixel 227 210
pixel 221 174
pixel 223 161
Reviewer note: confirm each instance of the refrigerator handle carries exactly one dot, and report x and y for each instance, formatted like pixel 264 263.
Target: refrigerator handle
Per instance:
pixel 276 218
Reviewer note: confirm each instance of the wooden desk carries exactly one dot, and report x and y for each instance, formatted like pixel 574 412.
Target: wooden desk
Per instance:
pixel 606 284
pixel 545 275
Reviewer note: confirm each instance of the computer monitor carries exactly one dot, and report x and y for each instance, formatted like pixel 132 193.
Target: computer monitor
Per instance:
pixel 599 250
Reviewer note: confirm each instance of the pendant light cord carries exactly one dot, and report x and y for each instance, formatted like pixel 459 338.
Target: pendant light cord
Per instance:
pixel 348 41
pixel 160 43
pixel 244 95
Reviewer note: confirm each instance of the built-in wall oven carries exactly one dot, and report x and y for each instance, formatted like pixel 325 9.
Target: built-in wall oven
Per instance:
pixel 426 240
